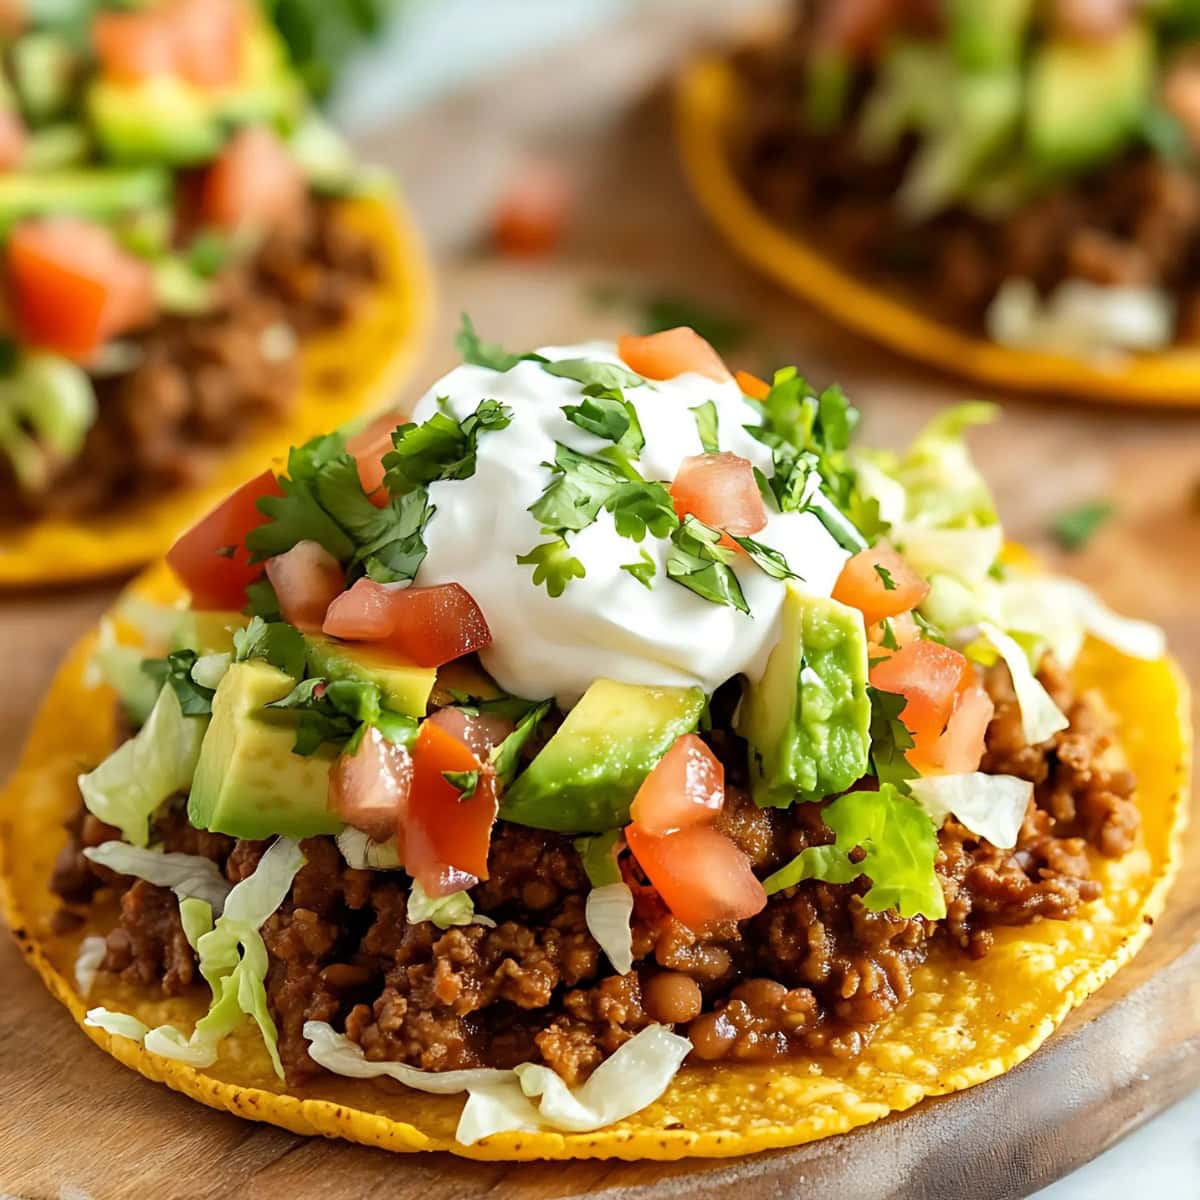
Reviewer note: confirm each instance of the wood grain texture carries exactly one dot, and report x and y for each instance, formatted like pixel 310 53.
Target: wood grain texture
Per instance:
pixel 73 1122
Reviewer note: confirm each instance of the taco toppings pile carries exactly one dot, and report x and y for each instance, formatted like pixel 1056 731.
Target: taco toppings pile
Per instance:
pixel 166 242
pixel 611 717
pixel 1020 169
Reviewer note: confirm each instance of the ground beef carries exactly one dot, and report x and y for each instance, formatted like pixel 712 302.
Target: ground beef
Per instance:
pixel 814 973
pixel 1135 221
pixel 202 383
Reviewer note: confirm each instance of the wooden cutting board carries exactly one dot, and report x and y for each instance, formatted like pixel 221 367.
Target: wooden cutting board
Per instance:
pixel 73 1123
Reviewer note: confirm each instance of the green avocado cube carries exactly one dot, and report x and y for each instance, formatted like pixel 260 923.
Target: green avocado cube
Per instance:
pixel 808 719
pixel 248 782
pixel 586 776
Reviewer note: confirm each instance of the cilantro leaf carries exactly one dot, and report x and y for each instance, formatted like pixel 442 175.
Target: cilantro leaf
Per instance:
pixel 766 558
pixel 700 563
pixel 465 781
pixel 1075 527
pixel 642 506
pixel 885 577
pixel 282 645
pixel 261 600
pixel 606 413
pixel 296 516
pixel 888 636
pixel 890 738
pixel 176 669
pixel 898 844
pixel 594 374
pixel 440 448
pixel 580 486
pixel 338 712
pixel 707 426
pixel 554 565
pixel 486 354
pixel 643 571
pixel 506 756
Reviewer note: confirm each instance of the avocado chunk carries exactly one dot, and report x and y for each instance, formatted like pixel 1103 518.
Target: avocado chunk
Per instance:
pixel 808 718
pixel 44 66
pixel 207 632
pixel 248 783
pixel 1086 99
pixel 100 193
pixel 987 34
pixel 586 776
pixel 403 687
pixel 162 120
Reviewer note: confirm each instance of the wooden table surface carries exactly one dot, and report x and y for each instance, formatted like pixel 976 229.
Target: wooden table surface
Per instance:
pixel 73 1123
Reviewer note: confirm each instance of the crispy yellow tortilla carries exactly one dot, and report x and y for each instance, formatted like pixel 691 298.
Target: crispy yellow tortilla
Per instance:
pixel 967 1021
pixel 344 373
pixel 707 100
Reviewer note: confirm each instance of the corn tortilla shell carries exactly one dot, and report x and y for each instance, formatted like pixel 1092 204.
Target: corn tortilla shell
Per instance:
pixel 344 372
pixel 707 99
pixel 967 1021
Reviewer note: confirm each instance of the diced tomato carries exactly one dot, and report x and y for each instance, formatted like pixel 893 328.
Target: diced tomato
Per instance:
pixel 856 27
pixel 446 836
pixel 211 559
pixel 255 182
pixel 674 352
pixel 751 385
pixel 14 17
pixel 959 750
pixel 428 626
pixel 370 788
pixel 700 874
pixel 73 286
pixel 209 36
pixel 481 732
pixel 200 40
pixel 133 46
pixel 720 490
pixel 928 675
pixel 306 579
pixel 879 583
pixel 12 140
pixel 533 210
pixel 368 448
pixel 1090 20
pixel 686 787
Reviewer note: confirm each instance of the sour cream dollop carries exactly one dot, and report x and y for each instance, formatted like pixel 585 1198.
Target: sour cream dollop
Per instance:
pixel 607 624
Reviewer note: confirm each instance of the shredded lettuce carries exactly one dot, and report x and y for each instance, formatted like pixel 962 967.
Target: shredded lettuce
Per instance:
pixel 233 962
pixel 87 962
pixel 120 667
pixel 599 855
pixel 899 844
pixel 990 806
pixel 444 911
pixel 1041 718
pixel 503 1101
pixel 209 669
pixel 187 875
pixel 364 854
pixel 607 914
pixel 967 554
pixel 128 787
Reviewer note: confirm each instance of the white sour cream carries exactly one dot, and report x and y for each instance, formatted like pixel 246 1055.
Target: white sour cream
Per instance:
pixel 607 624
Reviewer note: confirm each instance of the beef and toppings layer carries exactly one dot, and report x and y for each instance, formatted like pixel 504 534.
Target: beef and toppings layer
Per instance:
pixel 167 240
pixel 611 697
pixel 1025 170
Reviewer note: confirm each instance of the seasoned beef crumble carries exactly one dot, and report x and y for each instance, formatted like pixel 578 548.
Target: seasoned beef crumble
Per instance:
pixel 202 383
pixel 814 973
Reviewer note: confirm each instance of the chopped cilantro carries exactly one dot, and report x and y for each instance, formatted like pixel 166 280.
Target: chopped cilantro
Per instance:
pixel 506 757
pixel 888 635
pixel 606 413
pixel 261 600
pixel 707 426
pixel 337 712
pixel 577 492
pixel 640 507
pixel 282 645
pixel 440 448
pixel 765 558
pixel 885 577
pixel 486 354
pixel 1076 527
pixel 593 374
pixel 553 564
pixel 700 563
pixel 176 669
pixel 889 739
pixel 643 571
pixel 465 781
